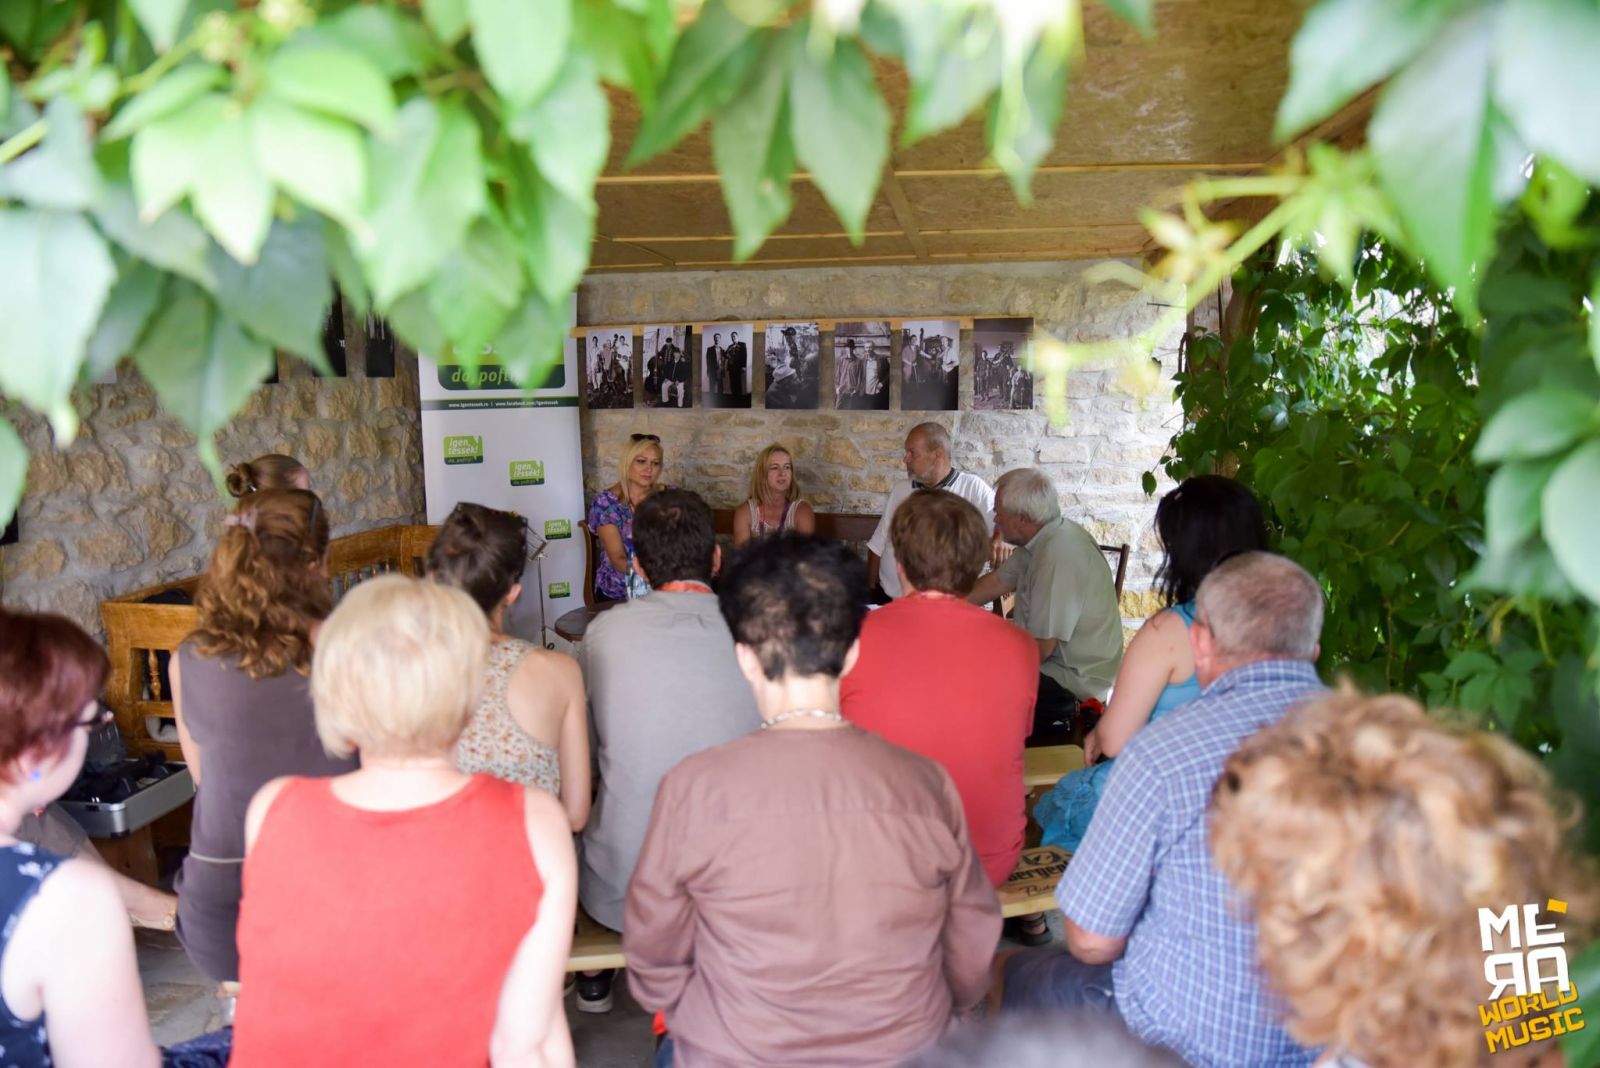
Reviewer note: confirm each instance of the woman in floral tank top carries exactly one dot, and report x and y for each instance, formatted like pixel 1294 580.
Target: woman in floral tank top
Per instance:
pixel 530 724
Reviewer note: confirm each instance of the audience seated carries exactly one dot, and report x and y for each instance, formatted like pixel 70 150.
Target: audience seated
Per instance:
pixel 662 684
pixel 1151 931
pixel 272 471
pixel 1202 522
pixel 242 699
pixel 1365 835
pixel 530 726
pixel 405 912
pixel 69 984
pixel 928 466
pixel 947 679
pixel 1066 598
pixel 808 893
pixel 1080 1039
pixel 611 515
pixel 775 503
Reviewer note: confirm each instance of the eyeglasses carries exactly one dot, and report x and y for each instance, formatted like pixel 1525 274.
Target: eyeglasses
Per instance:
pixel 644 437
pixel 100 718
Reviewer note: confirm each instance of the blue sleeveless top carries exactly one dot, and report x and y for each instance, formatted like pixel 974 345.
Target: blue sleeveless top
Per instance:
pixel 23 869
pixel 1063 814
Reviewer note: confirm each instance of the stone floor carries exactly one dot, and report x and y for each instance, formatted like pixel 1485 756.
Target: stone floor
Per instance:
pixel 181 1004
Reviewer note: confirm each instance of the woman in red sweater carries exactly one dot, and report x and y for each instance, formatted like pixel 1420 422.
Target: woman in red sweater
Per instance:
pixel 405 913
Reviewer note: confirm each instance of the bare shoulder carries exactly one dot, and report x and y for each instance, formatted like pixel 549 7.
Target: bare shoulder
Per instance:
pixel 78 897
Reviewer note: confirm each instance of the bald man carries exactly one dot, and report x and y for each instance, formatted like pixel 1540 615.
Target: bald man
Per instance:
pixel 928 466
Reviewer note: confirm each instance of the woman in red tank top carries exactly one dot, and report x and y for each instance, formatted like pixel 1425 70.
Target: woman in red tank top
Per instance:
pixel 405 913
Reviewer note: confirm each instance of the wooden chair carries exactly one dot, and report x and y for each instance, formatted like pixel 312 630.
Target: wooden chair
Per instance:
pixel 591 556
pixel 1121 566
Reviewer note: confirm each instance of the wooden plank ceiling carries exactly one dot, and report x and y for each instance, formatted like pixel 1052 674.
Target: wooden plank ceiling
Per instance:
pixel 1142 118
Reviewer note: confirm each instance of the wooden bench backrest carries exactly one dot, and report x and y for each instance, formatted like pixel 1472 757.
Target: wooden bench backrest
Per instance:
pixel 136 633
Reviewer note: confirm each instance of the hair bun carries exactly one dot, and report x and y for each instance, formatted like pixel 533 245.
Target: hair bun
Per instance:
pixel 240 480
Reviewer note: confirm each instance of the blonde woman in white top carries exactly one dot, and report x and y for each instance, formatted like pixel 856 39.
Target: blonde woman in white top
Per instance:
pixel 774 503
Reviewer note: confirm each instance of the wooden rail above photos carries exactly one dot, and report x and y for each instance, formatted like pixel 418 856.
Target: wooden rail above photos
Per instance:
pixel 895 322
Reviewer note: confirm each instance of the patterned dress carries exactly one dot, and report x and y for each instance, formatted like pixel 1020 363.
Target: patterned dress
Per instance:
pixel 494 743
pixel 610 510
pixel 23 868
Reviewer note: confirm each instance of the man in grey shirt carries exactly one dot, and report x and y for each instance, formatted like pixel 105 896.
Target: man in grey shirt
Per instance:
pixel 663 684
pixel 1066 597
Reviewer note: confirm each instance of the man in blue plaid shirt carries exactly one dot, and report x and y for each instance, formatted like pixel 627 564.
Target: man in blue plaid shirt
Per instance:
pixel 1153 931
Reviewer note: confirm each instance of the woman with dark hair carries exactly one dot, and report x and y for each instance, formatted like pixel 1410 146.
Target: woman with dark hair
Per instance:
pixel 272 471
pixel 242 699
pixel 1205 520
pixel 807 894
pixel 530 726
pixel 69 983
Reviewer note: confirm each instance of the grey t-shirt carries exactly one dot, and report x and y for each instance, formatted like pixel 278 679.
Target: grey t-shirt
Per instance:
pixel 1065 591
pixel 663 684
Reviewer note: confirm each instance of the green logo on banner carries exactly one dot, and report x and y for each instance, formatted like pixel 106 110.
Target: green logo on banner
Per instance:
pixel 560 589
pixel 463 449
pixel 493 376
pixel 527 472
pixel 557 528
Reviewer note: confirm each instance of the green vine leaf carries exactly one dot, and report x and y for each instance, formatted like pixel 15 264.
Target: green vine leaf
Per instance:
pixel 1571 518
pixel 1511 504
pixel 446 18
pixel 569 130
pixel 333 80
pixel 231 193
pixel 54 278
pixel 1347 46
pixel 13 470
pixel 174 242
pixel 533 340
pixel 169 151
pixel 556 233
pixel 707 67
pixel 520 45
pixel 346 269
pixel 1535 424
pixel 1140 14
pixel 1021 141
pixel 840 126
pixel 318 160
pixel 478 287
pixel 391 40
pixel 753 150
pixel 284 298
pixel 1547 79
pixel 160 20
pixel 1431 144
pixel 60 173
pixel 172 93
pixel 1594 319
pixel 128 309
pixel 427 187
pixel 202 365
pixel 963 74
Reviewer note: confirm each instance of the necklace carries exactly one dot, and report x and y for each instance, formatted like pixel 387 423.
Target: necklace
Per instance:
pixel 796 713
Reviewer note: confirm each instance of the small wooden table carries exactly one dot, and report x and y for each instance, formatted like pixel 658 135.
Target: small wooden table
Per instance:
pixel 1048 764
pixel 572 625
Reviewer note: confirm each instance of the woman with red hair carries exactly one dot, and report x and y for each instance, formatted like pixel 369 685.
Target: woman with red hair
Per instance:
pixel 69 983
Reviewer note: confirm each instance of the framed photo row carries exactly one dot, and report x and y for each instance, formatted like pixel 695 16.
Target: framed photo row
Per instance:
pixel 847 365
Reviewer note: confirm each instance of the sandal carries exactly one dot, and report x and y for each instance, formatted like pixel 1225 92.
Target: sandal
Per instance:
pixel 1031 930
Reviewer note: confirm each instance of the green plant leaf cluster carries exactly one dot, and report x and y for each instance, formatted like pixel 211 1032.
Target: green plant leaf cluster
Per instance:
pixel 185 182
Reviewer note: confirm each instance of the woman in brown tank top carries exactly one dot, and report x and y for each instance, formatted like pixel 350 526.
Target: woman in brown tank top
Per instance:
pixel 243 700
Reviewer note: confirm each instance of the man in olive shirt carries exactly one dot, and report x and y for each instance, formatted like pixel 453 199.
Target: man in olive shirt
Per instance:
pixel 1066 597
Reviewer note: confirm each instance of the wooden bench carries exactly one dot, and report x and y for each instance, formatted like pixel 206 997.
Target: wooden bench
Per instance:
pixel 1029 889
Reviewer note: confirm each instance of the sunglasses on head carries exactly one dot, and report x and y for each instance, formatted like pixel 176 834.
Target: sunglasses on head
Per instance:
pixel 644 437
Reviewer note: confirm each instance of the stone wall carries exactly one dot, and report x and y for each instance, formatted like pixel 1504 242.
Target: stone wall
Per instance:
pixel 847 460
pixel 128 504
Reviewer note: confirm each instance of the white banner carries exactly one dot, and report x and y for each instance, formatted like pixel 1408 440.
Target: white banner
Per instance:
pixel 487 441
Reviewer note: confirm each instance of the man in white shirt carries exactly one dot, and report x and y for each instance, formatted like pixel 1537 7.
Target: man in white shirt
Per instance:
pixel 928 466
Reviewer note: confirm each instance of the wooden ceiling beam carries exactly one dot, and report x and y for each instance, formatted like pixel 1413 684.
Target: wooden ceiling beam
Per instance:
pixel 903 214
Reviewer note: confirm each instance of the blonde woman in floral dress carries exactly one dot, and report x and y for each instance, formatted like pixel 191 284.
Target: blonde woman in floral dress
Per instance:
pixel 530 724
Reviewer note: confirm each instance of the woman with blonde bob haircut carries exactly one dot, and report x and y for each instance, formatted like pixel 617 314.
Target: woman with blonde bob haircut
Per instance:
pixel 1365 835
pixel 775 503
pixel 418 870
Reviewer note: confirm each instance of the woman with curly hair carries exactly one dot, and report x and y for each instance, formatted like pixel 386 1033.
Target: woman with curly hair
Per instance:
pixel 1365 835
pixel 242 699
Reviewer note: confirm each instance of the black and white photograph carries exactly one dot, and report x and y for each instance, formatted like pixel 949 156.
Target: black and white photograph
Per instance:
pixel 930 365
pixel 608 370
pixel 666 367
pixel 793 365
pixel 725 364
pixel 862 357
pixel 1002 365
